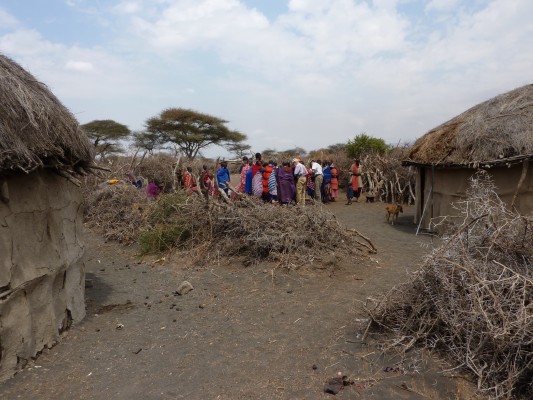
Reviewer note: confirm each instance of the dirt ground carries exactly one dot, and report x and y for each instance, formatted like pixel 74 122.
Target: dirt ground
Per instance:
pixel 243 333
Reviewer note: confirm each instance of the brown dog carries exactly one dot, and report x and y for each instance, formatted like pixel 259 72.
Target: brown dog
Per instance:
pixel 394 210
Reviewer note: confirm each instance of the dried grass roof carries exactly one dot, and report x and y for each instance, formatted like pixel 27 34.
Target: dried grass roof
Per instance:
pixel 36 130
pixel 499 130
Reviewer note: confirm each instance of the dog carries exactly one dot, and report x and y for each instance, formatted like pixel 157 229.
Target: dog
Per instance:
pixel 393 210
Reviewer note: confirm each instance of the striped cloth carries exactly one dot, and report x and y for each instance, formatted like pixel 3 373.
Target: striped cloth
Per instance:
pixel 272 186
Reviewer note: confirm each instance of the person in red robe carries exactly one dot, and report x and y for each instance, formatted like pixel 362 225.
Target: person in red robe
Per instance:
pixel 355 189
pixel 189 184
pixel 334 181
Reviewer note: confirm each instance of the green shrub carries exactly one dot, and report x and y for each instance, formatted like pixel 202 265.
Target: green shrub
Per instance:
pixel 163 237
pixel 165 209
pixel 168 228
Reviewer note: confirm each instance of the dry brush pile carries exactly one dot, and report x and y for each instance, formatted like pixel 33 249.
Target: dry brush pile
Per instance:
pixel 472 299
pixel 385 176
pixel 118 212
pixel 208 228
pixel 293 236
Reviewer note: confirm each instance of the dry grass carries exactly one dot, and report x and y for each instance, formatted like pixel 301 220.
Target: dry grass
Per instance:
pixel 472 298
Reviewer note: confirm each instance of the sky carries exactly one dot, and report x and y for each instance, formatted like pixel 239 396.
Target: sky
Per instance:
pixel 297 73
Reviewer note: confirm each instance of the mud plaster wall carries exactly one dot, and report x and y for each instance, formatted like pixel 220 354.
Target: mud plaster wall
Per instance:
pixel 42 281
pixel 450 185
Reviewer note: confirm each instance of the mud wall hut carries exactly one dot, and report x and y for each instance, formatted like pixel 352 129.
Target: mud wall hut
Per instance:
pixel 42 154
pixel 497 136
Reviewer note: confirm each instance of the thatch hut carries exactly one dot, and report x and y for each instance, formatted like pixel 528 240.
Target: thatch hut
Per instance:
pixel 42 152
pixel 496 135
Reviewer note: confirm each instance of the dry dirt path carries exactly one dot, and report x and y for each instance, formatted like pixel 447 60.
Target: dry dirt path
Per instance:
pixel 242 333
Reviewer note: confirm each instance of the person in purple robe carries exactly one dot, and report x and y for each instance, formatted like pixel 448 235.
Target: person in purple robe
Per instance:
pixel 285 183
pixel 153 190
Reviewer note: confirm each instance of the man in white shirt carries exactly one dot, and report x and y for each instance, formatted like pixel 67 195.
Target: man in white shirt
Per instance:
pixel 300 174
pixel 319 178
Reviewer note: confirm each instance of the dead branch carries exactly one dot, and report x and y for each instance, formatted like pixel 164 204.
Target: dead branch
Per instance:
pixel 472 297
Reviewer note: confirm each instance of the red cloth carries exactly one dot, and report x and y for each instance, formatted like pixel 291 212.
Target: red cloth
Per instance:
pixel 266 176
pixel 242 185
pixel 334 178
pixel 255 168
pixel 188 180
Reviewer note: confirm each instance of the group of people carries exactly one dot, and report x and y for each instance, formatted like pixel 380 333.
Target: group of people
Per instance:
pixel 286 183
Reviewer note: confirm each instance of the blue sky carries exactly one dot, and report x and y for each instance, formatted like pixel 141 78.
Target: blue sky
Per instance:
pixel 305 73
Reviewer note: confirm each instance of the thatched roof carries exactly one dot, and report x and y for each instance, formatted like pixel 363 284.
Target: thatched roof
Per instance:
pixel 36 130
pixel 497 131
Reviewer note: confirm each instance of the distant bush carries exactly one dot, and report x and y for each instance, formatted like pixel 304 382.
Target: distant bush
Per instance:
pixel 363 144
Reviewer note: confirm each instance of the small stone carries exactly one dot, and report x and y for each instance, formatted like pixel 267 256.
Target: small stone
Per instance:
pixel 314 366
pixel 184 288
pixel 202 306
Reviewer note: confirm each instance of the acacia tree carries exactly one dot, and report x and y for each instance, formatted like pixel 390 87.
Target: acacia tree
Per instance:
pixel 192 131
pixel 240 149
pixel 148 141
pixel 105 135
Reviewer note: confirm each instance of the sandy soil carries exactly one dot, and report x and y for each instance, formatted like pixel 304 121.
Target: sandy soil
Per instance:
pixel 242 333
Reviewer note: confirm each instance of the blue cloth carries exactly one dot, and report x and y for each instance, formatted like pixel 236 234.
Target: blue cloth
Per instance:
pixel 248 183
pixel 222 178
pixel 327 174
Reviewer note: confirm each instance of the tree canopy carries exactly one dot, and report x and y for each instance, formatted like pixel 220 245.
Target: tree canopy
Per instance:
pixel 363 143
pixel 240 149
pixel 105 135
pixel 147 140
pixel 192 131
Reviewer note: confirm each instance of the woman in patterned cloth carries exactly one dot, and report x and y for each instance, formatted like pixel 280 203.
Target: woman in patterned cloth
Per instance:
pixel 257 176
pixel 241 187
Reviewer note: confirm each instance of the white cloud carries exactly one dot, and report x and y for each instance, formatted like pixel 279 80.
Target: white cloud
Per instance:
pixel 81 66
pixel 128 7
